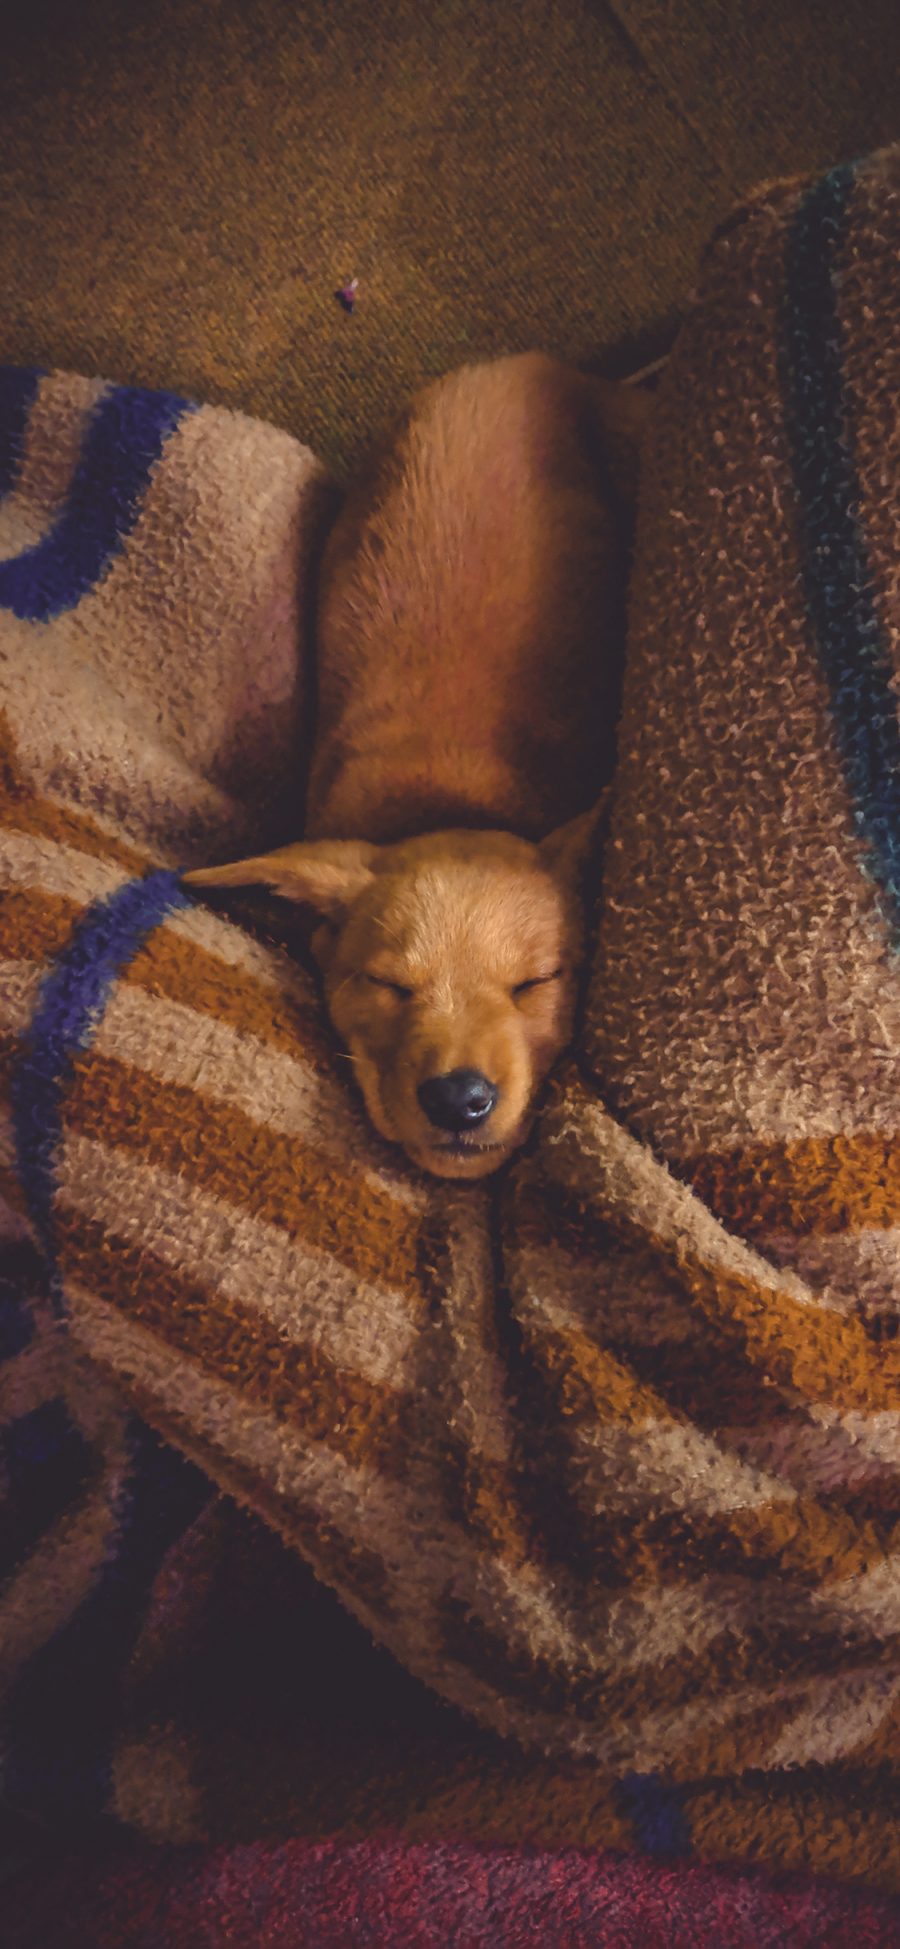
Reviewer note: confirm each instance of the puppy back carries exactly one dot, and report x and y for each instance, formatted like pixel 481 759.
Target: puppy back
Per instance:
pixel 470 609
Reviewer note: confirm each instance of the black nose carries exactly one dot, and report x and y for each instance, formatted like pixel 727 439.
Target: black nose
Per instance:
pixel 458 1101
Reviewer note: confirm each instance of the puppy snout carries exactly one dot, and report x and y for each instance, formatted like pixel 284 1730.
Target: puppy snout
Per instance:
pixel 459 1101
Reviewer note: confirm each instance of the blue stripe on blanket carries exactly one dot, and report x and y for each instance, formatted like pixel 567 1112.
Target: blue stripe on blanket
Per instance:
pixel 657 1815
pixel 837 577
pixel 68 1012
pixel 23 1279
pixel 18 385
pixel 124 439
pixel 61 1718
pixel 46 1463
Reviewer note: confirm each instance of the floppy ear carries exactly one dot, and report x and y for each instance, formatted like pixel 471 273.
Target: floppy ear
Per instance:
pixel 566 851
pixel 325 874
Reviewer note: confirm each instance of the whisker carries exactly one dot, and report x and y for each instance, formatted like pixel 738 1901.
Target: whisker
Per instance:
pixel 387 930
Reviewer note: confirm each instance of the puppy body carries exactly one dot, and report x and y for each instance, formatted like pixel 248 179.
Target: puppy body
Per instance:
pixel 468 626
pixel 470 591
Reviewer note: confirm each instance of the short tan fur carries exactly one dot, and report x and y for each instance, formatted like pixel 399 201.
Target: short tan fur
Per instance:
pixel 469 632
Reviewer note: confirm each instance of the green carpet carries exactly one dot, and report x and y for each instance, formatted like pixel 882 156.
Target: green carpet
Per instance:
pixel 186 182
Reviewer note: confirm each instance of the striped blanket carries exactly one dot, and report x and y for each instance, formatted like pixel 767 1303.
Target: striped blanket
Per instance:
pixel 605 1452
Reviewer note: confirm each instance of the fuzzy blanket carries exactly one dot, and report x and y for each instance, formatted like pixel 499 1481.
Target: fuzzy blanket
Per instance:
pixel 411 1895
pixel 605 1452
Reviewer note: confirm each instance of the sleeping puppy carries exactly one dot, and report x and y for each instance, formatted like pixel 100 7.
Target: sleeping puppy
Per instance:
pixel 469 640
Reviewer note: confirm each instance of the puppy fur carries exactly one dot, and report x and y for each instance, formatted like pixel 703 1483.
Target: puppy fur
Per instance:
pixel 468 648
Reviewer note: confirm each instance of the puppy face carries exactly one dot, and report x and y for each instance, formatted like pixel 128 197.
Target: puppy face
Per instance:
pixel 449 966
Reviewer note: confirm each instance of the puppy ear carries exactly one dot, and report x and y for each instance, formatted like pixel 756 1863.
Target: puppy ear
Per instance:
pixel 325 874
pixel 567 850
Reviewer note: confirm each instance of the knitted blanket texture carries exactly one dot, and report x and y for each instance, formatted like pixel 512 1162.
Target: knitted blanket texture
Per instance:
pixel 605 1451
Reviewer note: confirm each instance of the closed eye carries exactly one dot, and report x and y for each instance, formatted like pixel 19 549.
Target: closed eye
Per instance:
pixel 536 981
pixel 394 987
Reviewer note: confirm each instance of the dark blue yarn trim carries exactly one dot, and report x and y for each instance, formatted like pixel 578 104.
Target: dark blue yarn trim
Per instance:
pixel 22 1278
pixel 124 440
pixel 68 1012
pixel 837 576
pixel 46 1465
pixel 18 385
pixel 657 1815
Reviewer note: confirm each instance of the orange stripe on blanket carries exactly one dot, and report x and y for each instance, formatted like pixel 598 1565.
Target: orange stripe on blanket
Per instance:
pixel 368 1425
pixel 777 1673
pixel 711 1712
pixel 216 1147
pixel 823 1356
pixel 753 1310
pixel 817 1184
pixel 817 1821
pixel 36 926
pixel 25 811
pixel 512 1792
pixel 41 819
pixel 610 1697
pixel 482 1497
pixel 817 1354
pixel 801 1539
pixel 798 1536
pixel 597 1382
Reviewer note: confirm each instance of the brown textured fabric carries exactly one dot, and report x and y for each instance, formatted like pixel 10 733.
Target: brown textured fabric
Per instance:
pixel 186 182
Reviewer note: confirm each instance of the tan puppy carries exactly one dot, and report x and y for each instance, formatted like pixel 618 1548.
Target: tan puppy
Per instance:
pixel 468 642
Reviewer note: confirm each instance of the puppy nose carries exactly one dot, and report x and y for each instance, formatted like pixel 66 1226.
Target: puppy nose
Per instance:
pixel 458 1101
